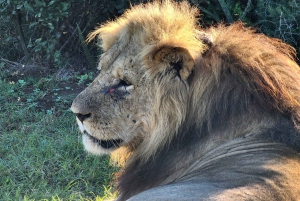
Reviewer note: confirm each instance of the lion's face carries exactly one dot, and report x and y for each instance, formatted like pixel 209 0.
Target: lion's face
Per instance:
pixel 115 109
pixel 134 89
pixel 129 103
pixel 142 90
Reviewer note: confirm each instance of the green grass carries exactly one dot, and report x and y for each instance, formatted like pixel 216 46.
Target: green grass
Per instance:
pixel 41 154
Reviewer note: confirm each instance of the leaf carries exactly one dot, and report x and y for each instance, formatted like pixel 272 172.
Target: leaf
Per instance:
pixel 226 11
pixel 65 6
pixel 120 6
pixel 2 64
pixel 19 6
pixel 8 38
pixel 33 24
pixel 210 14
pixel 85 49
pixel 50 25
pixel 38 40
pixel 28 7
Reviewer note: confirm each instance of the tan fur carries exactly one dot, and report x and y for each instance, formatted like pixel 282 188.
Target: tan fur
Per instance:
pixel 170 94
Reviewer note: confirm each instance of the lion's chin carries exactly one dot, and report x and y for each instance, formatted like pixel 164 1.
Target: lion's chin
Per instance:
pixel 100 147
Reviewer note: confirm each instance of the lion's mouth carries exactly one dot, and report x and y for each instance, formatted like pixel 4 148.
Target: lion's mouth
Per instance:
pixel 106 144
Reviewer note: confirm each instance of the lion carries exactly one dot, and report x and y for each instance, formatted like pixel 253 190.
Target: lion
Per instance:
pixel 194 113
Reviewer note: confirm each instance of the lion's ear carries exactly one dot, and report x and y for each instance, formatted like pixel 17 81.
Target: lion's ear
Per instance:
pixel 176 59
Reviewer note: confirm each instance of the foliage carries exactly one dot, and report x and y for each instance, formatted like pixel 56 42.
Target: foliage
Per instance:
pixel 275 18
pixel 44 30
pixel 84 78
pixel 53 31
pixel 279 19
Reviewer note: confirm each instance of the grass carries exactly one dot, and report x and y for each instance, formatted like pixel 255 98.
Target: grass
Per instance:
pixel 41 154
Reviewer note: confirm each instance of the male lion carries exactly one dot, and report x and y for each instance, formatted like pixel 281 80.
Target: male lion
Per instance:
pixel 197 114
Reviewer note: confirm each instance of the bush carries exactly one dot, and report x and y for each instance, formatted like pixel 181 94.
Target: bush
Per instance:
pixel 53 31
pixel 276 18
pixel 45 30
pixel 279 19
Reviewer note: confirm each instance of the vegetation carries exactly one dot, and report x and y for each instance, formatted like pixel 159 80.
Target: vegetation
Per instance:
pixel 44 63
pixel 276 18
pixel 41 154
pixel 52 31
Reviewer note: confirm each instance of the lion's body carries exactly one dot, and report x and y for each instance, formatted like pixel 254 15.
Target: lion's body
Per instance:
pixel 196 114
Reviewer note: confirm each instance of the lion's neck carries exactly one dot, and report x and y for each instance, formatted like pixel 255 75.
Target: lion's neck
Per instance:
pixel 195 147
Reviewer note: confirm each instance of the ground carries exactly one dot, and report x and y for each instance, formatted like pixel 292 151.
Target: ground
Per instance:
pixel 41 154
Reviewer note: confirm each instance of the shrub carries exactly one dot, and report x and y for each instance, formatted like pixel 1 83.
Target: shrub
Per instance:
pixel 45 30
pixel 53 31
pixel 276 18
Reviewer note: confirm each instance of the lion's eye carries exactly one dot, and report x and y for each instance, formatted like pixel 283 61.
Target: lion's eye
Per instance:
pixel 122 88
pixel 124 83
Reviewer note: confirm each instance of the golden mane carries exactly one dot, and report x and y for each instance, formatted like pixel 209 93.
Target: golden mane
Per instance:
pixel 265 66
pixel 145 24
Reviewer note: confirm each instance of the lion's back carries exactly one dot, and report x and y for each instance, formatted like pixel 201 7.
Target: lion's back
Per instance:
pixel 178 191
pixel 203 191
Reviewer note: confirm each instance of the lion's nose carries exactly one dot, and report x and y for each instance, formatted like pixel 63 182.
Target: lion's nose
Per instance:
pixel 82 117
pixel 79 108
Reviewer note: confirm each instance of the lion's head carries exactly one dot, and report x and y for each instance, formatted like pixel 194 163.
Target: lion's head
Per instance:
pixel 169 93
pixel 143 84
